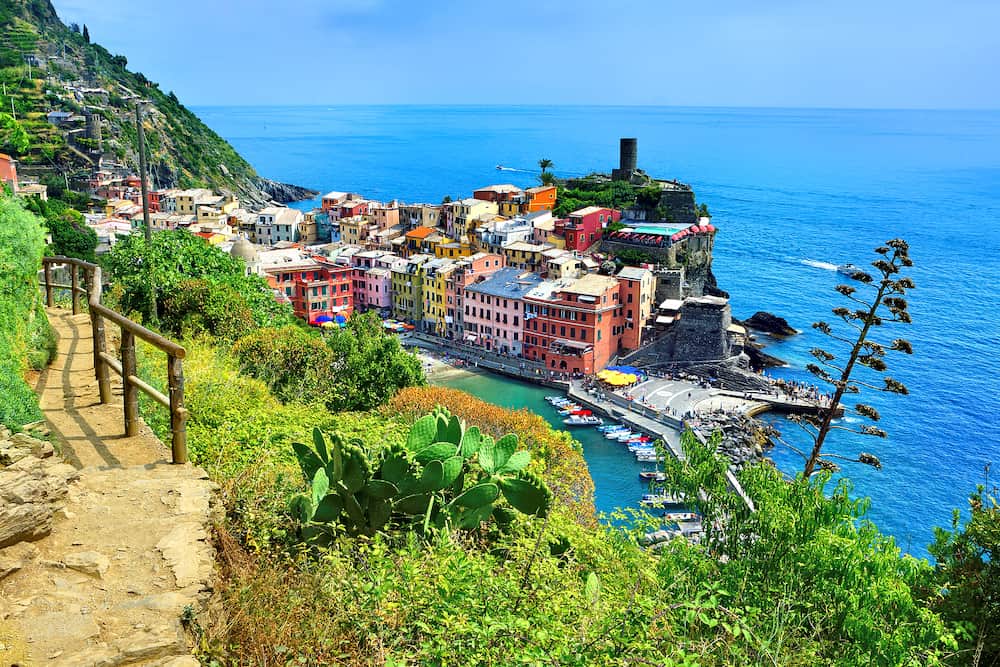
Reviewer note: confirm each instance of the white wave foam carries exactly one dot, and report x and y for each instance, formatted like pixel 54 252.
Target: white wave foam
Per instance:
pixel 826 266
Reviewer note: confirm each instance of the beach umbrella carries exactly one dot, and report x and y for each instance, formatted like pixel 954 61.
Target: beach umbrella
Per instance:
pixel 340 319
pixel 322 319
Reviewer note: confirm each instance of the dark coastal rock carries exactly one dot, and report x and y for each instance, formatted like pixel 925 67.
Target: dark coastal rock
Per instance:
pixel 759 359
pixel 284 193
pixel 769 324
pixel 711 287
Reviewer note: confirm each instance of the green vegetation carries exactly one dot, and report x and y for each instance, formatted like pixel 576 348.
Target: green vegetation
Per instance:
pixel 445 478
pixel 71 237
pixel 588 192
pixel 199 288
pixel 969 572
pixel 25 336
pixel 358 367
pixel 182 148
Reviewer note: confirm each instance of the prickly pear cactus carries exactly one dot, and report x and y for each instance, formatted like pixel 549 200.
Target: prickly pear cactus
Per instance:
pixel 446 476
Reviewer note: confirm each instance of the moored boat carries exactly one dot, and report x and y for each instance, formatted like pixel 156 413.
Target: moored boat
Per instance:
pixel 659 499
pixel 652 476
pixel 583 420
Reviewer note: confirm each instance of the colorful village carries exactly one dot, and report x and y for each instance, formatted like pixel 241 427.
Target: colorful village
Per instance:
pixel 615 306
pixel 496 270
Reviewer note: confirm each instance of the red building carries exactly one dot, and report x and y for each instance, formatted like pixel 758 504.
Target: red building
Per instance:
pixel 584 227
pixel 314 287
pixel 575 325
pixel 8 171
pixel 351 208
pixel 498 193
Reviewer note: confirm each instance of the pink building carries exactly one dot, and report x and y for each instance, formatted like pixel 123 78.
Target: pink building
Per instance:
pixel 584 227
pixel 372 279
pixel 493 310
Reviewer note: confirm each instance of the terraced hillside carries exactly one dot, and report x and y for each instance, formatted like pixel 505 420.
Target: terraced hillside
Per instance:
pixel 45 66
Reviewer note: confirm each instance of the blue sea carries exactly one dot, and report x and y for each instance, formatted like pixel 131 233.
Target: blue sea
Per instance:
pixel 794 192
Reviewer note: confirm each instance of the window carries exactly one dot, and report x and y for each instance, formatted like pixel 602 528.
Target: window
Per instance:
pixel 562 331
pixel 598 334
pixel 515 320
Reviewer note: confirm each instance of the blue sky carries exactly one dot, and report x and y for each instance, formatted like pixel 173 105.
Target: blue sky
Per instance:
pixel 804 53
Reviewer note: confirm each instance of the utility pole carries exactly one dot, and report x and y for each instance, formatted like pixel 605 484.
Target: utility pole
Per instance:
pixel 145 210
pixel 142 171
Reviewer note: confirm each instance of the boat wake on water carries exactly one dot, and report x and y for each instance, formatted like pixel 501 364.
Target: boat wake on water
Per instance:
pixel 826 266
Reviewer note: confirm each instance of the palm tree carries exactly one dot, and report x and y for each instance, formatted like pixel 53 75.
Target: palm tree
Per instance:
pixel 545 164
pixel 547 178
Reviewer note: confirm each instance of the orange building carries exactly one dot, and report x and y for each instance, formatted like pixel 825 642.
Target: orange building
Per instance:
pixel 542 198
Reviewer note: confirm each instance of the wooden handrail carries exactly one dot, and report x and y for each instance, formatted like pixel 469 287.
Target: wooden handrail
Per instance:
pixel 126 368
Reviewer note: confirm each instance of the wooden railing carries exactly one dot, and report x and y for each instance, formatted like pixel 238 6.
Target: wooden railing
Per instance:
pixel 126 366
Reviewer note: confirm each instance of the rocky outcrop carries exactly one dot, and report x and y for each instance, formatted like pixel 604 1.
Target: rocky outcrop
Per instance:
pixel 759 359
pixel 33 487
pixel 283 193
pixel 770 324
pixel 711 286
pixel 743 439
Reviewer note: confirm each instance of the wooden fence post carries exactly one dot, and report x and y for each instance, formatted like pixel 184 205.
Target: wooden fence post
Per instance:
pixel 100 366
pixel 130 392
pixel 49 301
pixel 75 285
pixel 175 382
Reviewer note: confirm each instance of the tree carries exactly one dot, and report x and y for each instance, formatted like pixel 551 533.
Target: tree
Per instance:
pixel 370 366
pixel 545 164
pixel 547 178
pixel 176 256
pixel 71 236
pixel 887 305
pixel 13 137
pixel 75 27
pixel 968 566
pixel 446 200
pixel 86 34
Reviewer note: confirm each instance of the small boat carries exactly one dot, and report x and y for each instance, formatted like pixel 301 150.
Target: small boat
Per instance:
pixel 555 399
pixel 618 435
pixel 651 476
pixel 611 427
pixel 641 438
pixel 648 457
pixel 847 269
pixel 659 500
pixel 570 409
pixel 583 420
pixel 681 516
pixel 625 437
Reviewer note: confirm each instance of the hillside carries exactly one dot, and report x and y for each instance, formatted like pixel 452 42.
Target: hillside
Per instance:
pixel 47 67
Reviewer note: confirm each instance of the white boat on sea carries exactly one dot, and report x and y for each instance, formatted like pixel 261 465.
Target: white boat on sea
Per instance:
pixel 847 269
pixel 648 457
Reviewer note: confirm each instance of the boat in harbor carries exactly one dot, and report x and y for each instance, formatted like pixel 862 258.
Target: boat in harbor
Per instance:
pixel 660 500
pixel 648 457
pixel 681 516
pixel 583 420
pixel 614 435
pixel 610 427
pixel 652 476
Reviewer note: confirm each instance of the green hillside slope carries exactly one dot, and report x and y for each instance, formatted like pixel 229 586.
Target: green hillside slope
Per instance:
pixel 45 66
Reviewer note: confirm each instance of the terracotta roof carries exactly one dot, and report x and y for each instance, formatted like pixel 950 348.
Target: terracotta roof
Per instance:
pixel 420 232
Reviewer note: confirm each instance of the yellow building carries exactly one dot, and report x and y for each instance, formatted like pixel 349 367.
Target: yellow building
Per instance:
pixel 354 230
pixel 527 256
pixel 407 288
pixel 453 250
pixel 468 212
pixel 436 315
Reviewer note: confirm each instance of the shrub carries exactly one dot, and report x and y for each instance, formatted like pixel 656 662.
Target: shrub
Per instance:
pixel 295 363
pixel 197 307
pixel 21 246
